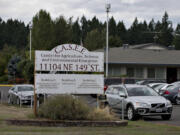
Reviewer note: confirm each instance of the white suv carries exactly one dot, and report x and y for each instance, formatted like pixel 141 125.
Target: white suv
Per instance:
pixel 138 100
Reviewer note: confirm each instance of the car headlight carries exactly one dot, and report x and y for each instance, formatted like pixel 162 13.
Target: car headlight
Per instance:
pixel 140 104
pixel 168 103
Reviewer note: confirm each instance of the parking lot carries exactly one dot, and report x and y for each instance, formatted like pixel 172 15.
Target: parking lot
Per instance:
pixel 175 120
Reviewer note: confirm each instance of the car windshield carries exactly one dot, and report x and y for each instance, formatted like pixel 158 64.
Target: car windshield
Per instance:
pixel 141 91
pixel 25 88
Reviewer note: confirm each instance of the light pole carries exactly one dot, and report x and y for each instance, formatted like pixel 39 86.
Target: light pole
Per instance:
pixel 30 40
pixel 108 6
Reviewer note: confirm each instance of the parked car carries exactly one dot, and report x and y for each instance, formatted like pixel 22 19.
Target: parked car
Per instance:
pixel 154 85
pixel 176 83
pixel 138 100
pixel 115 81
pixel 157 88
pixel 146 82
pixel 163 87
pixel 178 97
pixel 172 94
pixel 20 94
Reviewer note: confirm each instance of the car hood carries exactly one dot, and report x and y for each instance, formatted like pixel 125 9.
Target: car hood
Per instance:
pixel 148 99
pixel 26 93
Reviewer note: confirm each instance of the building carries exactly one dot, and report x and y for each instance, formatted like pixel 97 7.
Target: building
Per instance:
pixel 148 62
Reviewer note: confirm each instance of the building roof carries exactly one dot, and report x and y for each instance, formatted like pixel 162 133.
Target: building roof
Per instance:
pixel 143 57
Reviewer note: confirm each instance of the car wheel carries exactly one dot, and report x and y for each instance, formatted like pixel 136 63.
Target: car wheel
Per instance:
pixel 131 113
pixel 166 117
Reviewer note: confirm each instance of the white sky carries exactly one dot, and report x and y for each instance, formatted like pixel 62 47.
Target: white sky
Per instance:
pixel 125 10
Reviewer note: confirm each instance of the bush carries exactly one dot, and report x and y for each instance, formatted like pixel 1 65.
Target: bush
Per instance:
pixel 101 115
pixel 64 107
pixel 4 79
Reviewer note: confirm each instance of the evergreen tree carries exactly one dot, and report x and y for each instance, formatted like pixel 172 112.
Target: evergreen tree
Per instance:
pixel 176 41
pixel 115 41
pixel 122 32
pixel 62 32
pixel 76 32
pixel 94 40
pixel 42 31
pixel 13 33
pixel 151 26
pixel 94 24
pixel 112 27
pixel 166 36
pixel 134 34
pixel 84 28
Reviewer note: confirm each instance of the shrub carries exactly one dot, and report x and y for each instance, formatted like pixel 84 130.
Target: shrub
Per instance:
pixel 101 115
pixel 4 79
pixel 64 107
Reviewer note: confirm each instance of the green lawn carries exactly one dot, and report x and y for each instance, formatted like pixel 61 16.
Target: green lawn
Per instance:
pixel 133 128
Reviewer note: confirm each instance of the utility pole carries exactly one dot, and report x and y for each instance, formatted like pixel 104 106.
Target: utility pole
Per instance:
pixel 30 40
pixel 108 6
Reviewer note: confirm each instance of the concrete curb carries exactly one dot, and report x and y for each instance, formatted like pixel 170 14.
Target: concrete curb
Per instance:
pixel 49 123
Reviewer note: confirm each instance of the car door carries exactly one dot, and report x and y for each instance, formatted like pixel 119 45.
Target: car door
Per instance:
pixel 14 94
pixel 117 100
pixel 11 92
pixel 109 95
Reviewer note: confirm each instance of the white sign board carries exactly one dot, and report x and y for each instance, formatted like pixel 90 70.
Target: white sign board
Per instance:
pixel 69 84
pixel 69 57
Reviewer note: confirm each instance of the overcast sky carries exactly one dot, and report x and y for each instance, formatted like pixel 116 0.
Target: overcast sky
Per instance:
pixel 125 10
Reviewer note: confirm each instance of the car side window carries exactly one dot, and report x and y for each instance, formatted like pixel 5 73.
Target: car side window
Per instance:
pixel 13 88
pixel 119 90
pixel 109 91
pixel 115 91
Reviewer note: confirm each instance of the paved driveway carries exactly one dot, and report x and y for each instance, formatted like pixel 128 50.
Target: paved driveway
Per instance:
pixel 175 120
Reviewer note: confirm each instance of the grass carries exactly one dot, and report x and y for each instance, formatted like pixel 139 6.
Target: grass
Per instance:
pixel 14 112
pixel 134 128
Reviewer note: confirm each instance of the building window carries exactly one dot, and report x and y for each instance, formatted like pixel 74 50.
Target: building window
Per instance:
pixel 130 72
pixel 116 70
pixel 160 73
pixel 151 73
pixel 139 73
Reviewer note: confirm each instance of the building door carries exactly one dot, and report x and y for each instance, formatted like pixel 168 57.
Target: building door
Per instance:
pixel 171 75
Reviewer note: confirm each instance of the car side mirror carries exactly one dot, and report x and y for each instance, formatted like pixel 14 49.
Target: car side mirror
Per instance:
pixel 122 95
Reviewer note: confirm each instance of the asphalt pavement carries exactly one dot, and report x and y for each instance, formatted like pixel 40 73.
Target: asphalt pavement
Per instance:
pixel 175 119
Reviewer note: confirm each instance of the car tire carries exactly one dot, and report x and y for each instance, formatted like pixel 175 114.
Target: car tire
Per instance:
pixel 131 113
pixel 166 117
